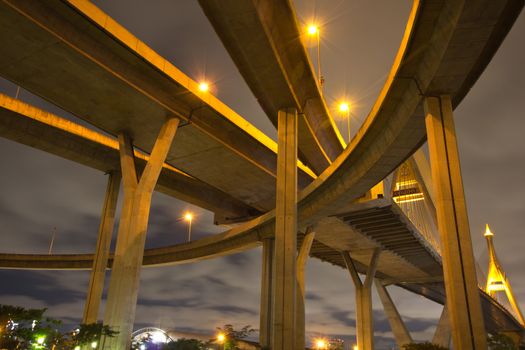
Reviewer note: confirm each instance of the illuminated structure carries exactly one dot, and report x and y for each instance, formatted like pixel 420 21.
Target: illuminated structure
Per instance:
pixel 278 194
pixel 497 280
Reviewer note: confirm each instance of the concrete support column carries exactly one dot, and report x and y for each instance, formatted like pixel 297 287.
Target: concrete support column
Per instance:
pixel 266 293
pixel 304 252
pixel 127 263
pixel 100 263
pixel 285 278
pixel 394 318
pixel 468 330
pixel 443 331
pixel 363 300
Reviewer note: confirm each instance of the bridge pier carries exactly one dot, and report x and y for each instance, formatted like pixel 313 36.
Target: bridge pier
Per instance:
pixel 397 325
pixel 284 284
pixel 129 252
pixel 443 331
pixel 468 330
pixel 363 300
pixel 266 293
pixel 304 252
pixel 100 263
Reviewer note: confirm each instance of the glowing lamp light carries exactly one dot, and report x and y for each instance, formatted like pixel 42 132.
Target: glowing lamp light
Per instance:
pixel 344 107
pixel 77 347
pixel 203 87
pixel 320 344
pixel 312 29
pixel 221 338
pixel 188 216
pixel 355 347
pixel 41 340
pixel 94 345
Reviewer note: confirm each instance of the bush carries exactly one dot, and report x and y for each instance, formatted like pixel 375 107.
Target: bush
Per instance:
pixel 185 344
pixel 500 342
pixel 423 346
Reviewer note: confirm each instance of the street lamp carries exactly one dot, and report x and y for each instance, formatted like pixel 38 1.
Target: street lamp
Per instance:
pixel 320 344
pixel 344 108
pixel 221 338
pixel 313 30
pixel 204 87
pixel 189 218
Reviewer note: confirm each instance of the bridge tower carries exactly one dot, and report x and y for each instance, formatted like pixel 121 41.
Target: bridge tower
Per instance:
pixel 497 280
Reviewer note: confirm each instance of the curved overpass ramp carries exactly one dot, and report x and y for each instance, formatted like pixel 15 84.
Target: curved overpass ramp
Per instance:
pixel 429 62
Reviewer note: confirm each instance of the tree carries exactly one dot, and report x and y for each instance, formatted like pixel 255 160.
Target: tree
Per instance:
pixel 22 328
pixel 500 342
pixel 231 335
pixel 92 332
pixel 423 346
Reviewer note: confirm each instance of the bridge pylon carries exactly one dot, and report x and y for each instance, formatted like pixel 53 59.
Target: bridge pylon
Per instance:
pixel 497 280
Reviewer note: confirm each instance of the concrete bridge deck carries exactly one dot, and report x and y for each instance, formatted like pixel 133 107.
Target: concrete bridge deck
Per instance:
pixel 33 127
pixel 60 50
pixel 265 42
pixel 393 130
pixel 62 61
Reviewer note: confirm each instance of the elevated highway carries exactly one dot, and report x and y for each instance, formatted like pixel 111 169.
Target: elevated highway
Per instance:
pixel 60 50
pixel 429 62
pixel 33 127
pixel 264 40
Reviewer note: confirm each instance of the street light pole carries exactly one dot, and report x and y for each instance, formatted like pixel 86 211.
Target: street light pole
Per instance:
pixel 189 230
pixel 344 107
pixel 348 124
pixel 189 218
pixel 52 241
pixel 320 77
pixel 314 30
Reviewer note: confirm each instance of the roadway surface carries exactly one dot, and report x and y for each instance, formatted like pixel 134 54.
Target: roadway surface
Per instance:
pixel 429 62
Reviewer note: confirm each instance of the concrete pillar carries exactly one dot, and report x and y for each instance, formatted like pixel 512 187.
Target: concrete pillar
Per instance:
pixel 468 331
pixel 363 300
pixel 443 331
pixel 304 252
pixel 285 278
pixel 100 263
pixel 266 293
pixel 397 325
pixel 125 273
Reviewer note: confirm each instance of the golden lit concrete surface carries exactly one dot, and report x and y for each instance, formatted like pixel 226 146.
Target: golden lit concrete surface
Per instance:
pixel 34 127
pixel 459 266
pixel 78 58
pixel 265 44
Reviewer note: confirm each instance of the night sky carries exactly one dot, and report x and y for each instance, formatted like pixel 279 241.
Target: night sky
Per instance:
pixel 39 192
